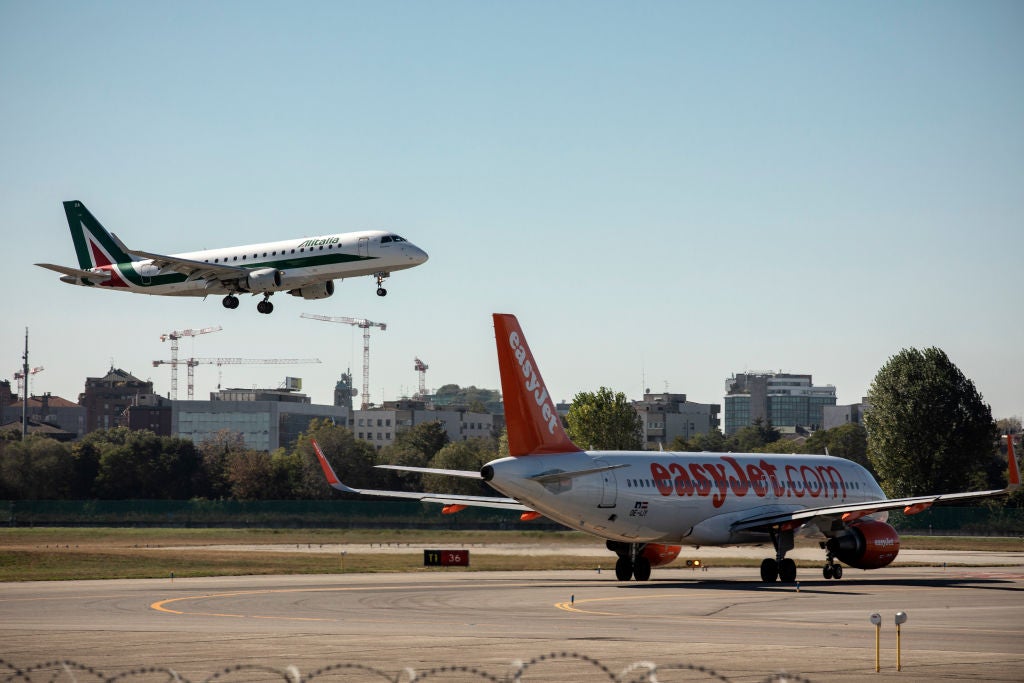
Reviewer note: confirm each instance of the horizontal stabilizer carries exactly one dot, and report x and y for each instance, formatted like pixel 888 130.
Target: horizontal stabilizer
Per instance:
pixel 442 498
pixel 549 477
pixel 92 275
pixel 466 474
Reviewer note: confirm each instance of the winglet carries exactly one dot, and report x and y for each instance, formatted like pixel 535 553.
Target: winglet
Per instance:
pixel 534 426
pixel 332 478
pixel 1012 471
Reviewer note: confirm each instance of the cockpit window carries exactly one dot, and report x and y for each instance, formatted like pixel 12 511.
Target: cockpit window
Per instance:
pixel 397 238
pixel 385 239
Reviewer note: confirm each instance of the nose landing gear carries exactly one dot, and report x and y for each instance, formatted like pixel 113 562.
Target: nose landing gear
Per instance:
pixel 380 279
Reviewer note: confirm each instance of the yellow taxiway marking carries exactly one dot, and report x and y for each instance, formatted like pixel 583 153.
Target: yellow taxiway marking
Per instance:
pixel 162 605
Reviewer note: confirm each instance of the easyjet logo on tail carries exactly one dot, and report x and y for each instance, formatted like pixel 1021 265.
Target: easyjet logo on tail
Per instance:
pixel 532 383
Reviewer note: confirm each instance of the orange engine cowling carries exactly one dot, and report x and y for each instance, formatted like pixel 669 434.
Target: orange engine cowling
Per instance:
pixel 866 544
pixel 658 554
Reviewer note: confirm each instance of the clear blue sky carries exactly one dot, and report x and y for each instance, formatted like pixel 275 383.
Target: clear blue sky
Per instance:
pixel 665 193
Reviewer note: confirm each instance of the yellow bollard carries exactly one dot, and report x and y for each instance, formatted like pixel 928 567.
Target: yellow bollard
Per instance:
pixel 901 618
pixel 876 619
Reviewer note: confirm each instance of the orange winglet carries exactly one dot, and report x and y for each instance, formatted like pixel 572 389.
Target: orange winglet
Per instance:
pixel 914 509
pixel 1012 473
pixel 452 509
pixel 332 478
pixel 529 516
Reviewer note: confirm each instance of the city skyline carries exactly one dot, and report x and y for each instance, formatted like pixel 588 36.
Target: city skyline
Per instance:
pixel 665 196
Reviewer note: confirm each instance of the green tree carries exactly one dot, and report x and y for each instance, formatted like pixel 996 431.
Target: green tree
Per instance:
pixel 929 431
pixel 754 437
pixel 604 420
pixel 709 442
pixel 215 453
pixel 37 468
pixel 140 464
pixel 352 459
pixel 848 441
pixel 414 447
pixel 469 455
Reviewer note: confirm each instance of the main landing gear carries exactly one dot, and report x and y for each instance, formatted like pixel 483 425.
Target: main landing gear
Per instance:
pixel 380 279
pixel 631 562
pixel 781 568
pixel 265 307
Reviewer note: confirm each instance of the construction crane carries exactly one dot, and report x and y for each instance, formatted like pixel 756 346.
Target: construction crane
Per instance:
pixel 365 325
pixel 191 363
pixel 422 368
pixel 174 337
pixel 23 378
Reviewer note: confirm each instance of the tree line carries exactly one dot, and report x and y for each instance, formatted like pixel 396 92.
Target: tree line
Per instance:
pixel 122 464
pixel 927 431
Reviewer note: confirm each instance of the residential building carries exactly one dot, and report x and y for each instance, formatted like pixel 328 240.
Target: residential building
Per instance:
pixel 57 412
pixel 380 426
pixel 665 417
pixel 106 399
pixel 837 416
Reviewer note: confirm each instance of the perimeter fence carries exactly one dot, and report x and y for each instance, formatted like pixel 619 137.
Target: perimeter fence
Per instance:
pixel 361 514
pixel 563 667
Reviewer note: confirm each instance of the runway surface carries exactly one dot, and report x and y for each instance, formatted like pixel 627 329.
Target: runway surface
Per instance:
pixel 964 623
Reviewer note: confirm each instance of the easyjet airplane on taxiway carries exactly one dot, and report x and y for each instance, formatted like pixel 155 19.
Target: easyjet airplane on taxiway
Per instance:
pixel 305 267
pixel 647 504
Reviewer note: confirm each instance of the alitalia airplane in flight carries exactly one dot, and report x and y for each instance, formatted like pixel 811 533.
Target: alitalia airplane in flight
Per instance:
pixel 646 505
pixel 305 267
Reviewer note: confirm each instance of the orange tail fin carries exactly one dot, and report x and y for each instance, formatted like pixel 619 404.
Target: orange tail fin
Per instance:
pixel 534 427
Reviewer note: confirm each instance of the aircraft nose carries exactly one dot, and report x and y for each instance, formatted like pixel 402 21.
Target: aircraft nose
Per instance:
pixel 416 254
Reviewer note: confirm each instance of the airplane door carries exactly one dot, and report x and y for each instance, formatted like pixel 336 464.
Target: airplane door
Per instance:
pixel 609 486
pixel 364 247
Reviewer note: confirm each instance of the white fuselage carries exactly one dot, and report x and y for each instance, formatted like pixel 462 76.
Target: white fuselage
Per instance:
pixel 302 261
pixel 679 498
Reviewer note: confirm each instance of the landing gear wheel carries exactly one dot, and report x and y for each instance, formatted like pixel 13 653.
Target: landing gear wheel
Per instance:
pixel 623 569
pixel 265 307
pixel 827 570
pixel 230 301
pixel 641 569
pixel 787 570
pixel 380 283
pixel 769 570
pixel 837 572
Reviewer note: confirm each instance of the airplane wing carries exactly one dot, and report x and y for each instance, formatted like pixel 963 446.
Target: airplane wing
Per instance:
pixel 847 513
pixel 442 498
pixel 90 275
pixel 194 270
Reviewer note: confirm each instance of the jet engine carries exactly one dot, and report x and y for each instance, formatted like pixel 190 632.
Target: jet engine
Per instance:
pixel 263 280
pixel 866 544
pixel 319 290
pixel 658 554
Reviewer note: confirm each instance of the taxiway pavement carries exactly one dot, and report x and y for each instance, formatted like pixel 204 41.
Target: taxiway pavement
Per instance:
pixel 964 623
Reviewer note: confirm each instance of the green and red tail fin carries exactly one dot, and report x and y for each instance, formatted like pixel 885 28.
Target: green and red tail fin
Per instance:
pixel 94 246
pixel 534 426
